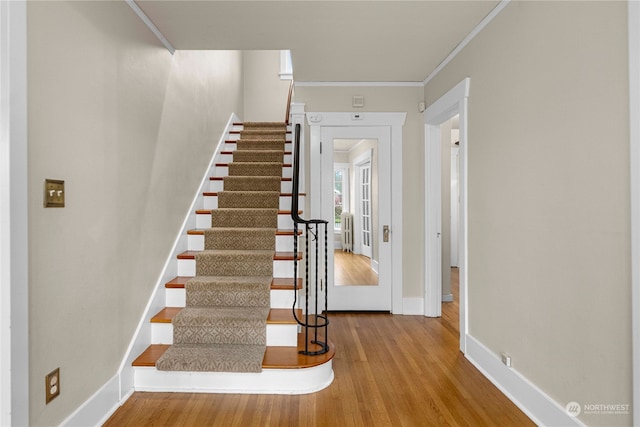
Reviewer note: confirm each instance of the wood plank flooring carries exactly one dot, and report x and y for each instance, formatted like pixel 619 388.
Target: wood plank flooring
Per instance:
pixel 389 371
pixel 353 270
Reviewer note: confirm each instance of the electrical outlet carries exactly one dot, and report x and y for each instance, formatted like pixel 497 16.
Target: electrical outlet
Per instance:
pixel 506 359
pixel 52 385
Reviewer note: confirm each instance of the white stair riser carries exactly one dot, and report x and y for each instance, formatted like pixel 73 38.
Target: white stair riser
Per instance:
pixel 281 268
pixel 228 158
pixel 231 146
pixel 217 185
pixel 278 335
pixel 284 221
pixel 287 171
pixel 211 202
pixel 269 381
pixel 280 298
pixel 283 243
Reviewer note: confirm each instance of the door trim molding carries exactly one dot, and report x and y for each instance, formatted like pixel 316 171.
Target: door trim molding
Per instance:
pixel 14 210
pixel 452 103
pixel 395 121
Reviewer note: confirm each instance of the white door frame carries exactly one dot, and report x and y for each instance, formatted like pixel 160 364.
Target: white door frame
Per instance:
pixel 634 136
pixel 360 161
pixel 14 299
pixel 449 105
pixel 394 121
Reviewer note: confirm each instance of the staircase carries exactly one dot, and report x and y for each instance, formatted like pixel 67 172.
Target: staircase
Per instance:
pixel 205 336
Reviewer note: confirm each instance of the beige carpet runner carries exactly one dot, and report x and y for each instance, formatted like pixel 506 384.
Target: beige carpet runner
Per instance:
pixel 223 326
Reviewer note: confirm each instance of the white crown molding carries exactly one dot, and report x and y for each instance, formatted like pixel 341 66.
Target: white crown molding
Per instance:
pixel 359 84
pixel 143 16
pixel 485 21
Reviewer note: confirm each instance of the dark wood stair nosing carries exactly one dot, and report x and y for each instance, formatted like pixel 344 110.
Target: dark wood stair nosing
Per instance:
pixel 277 316
pixel 279 232
pixel 274 357
pixel 278 283
pixel 215 193
pixel 221 178
pixel 278 256
pixel 280 212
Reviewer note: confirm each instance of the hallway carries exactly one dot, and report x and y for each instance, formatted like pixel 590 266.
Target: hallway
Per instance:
pixel 389 370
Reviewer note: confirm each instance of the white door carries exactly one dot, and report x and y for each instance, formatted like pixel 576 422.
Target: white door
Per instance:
pixel 374 297
pixel 364 214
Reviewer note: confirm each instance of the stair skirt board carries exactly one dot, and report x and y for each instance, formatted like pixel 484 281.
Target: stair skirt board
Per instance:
pixel 269 381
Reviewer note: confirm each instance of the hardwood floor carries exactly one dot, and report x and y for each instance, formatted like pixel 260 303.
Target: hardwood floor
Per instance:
pixel 351 269
pixel 389 371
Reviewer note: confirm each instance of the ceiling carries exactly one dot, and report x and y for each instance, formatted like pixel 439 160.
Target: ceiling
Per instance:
pixel 331 41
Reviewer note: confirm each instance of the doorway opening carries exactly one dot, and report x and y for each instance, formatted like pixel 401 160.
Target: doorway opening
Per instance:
pixel 436 118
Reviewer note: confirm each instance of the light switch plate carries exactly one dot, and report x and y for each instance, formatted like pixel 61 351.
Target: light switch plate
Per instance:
pixel 53 193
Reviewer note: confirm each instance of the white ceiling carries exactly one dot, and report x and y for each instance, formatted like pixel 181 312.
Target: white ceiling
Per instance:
pixel 345 41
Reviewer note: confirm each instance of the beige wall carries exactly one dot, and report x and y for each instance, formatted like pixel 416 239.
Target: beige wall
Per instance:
pixel 265 95
pixel 548 196
pixel 390 99
pixel 130 128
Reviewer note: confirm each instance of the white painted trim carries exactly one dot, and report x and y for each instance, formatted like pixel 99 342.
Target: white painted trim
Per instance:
pixel 142 337
pixel 413 306
pixel 374 265
pixel 143 16
pixel 395 121
pixel 14 255
pixel 634 135
pixel 96 410
pixel 485 21
pixel 359 84
pixel 537 405
pixel 433 222
pixel 452 103
pixel 268 381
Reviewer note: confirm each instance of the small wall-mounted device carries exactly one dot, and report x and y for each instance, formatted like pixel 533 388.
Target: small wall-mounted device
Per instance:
pixel 52 385
pixel 53 193
pixel 422 106
pixel 357 101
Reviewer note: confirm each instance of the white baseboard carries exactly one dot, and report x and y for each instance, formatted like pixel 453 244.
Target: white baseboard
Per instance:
pixel 99 407
pixel 542 410
pixel 412 306
pixel 447 298
pixel 374 266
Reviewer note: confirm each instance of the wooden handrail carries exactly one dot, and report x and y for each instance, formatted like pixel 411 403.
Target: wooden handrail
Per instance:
pixel 288 112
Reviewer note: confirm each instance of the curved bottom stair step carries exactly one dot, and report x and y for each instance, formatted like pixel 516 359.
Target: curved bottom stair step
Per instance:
pixel 284 371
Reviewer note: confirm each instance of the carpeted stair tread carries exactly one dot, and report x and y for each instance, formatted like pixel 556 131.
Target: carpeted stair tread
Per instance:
pixel 260 218
pixel 220 325
pixel 260 144
pixel 266 133
pixel 228 291
pixel 212 358
pixel 248 199
pixel 252 183
pixel 234 263
pixel 273 156
pixel 255 169
pixel 239 238
pixel 263 125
